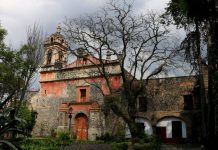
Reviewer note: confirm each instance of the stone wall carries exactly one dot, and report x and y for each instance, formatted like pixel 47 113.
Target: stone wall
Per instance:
pixel 165 99
pixel 166 94
pixel 47 110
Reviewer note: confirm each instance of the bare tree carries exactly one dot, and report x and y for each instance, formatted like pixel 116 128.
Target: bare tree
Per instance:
pixel 32 55
pixel 139 42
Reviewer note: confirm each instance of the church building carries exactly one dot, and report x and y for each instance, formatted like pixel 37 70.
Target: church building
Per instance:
pixel 71 98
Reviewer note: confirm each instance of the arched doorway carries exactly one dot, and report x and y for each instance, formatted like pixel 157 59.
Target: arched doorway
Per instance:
pixel 144 124
pixel 171 129
pixel 81 128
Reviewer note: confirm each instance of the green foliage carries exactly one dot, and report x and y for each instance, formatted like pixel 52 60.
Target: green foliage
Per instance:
pixel 17 67
pixel 29 116
pixel 110 138
pixel 156 144
pixel 185 12
pixel 89 142
pixel 120 146
pixel 9 81
pixel 40 144
pixel 16 70
pixel 9 129
pixel 55 144
pixel 65 137
pixel 3 32
pixel 145 143
pixel 53 133
pixel 144 138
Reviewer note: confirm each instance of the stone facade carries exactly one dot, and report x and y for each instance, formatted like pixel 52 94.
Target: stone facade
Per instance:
pixel 71 98
pixel 173 99
pixel 77 86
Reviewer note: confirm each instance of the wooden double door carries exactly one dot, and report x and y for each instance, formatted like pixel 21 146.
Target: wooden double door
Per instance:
pixel 81 128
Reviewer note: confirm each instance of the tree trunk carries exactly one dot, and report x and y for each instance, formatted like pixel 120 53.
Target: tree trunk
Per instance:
pixel 213 84
pixel 201 81
pixel 134 130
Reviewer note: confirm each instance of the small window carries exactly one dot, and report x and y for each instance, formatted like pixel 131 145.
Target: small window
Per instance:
pixel 142 104
pixel 84 61
pixel 83 94
pixel 188 102
pixel 60 56
pixel 52 40
pixel 49 55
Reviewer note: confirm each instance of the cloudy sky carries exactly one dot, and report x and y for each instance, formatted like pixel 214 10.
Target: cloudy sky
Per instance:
pixel 17 15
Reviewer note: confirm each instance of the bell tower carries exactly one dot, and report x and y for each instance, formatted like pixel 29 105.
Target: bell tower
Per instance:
pixel 55 56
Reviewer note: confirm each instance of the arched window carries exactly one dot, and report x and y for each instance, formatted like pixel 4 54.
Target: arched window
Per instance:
pixel 49 55
pixel 60 56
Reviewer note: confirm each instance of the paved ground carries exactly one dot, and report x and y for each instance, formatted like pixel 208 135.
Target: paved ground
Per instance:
pixel 180 147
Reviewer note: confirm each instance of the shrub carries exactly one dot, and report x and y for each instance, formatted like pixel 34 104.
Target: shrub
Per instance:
pixel 53 133
pixel 120 146
pixel 65 137
pixel 29 116
pixel 156 143
pixel 9 130
pixel 111 138
pixel 40 144
pixel 151 144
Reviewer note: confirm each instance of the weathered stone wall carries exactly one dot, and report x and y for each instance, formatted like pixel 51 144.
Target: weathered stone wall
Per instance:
pixel 167 94
pixel 165 99
pixel 48 104
pixel 47 118
pixel 96 124
pixel 114 125
pixel 47 74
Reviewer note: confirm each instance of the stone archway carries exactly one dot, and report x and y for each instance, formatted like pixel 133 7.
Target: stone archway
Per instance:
pixel 81 126
pixel 146 125
pixel 171 129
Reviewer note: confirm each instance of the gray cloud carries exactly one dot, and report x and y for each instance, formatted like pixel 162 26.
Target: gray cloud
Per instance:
pixel 17 15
